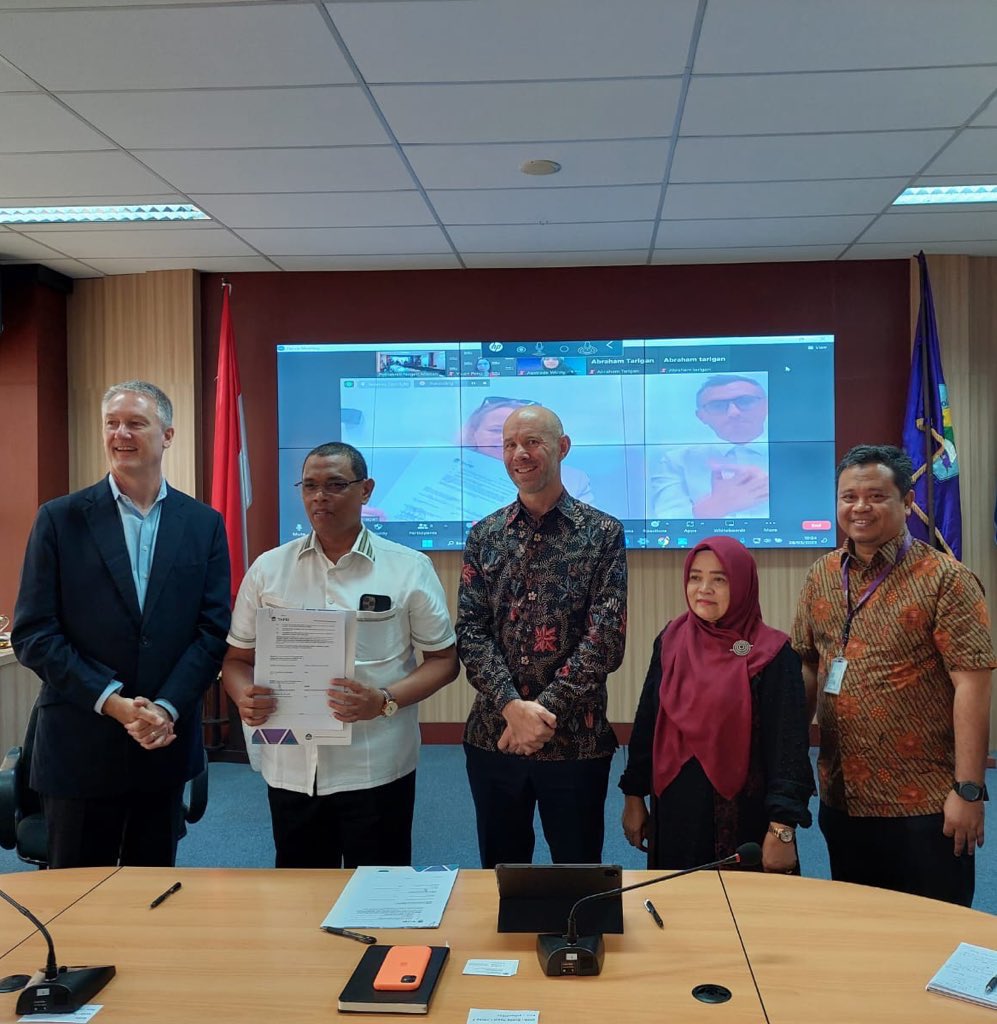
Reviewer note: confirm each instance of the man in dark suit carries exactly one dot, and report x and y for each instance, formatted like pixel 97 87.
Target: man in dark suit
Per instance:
pixel 122 612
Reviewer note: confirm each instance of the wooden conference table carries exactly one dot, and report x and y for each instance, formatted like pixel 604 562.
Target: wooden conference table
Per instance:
pixel 241 945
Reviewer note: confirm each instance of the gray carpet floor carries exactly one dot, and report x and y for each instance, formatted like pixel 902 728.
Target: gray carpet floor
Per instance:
pixel 235 830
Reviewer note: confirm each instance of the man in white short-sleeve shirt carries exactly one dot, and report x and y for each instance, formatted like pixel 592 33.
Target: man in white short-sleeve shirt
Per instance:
pixel 339 806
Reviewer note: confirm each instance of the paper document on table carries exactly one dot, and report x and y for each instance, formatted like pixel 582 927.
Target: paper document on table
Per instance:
pixel 401 897
pixel 968 974
pixel 298 653
pixel 80 1016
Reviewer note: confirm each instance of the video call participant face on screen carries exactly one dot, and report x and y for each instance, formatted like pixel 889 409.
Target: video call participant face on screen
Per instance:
pixel 533 446
pixel 733 408
pixel 483 429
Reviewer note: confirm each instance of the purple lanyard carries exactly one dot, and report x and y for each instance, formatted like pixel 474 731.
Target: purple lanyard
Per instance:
pixel 873 587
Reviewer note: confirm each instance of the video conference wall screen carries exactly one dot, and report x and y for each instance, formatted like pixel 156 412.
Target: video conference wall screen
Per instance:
pixel 680 438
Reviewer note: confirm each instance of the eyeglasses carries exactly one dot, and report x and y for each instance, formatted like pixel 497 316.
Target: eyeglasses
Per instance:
pixel 330 487
pixel 496 400
pixel 718 406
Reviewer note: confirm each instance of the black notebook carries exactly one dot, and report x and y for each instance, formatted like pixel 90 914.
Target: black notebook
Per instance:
pixel 360 996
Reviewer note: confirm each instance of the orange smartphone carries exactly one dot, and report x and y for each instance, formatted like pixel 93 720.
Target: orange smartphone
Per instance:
pixel 403 969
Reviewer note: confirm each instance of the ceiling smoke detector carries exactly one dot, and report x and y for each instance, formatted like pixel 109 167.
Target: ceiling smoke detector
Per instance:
pixel 540 167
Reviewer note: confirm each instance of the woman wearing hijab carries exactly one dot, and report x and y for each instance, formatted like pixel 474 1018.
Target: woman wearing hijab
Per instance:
pixel 720 739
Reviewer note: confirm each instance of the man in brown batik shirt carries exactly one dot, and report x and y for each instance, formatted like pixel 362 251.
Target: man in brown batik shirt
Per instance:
pixel 902 689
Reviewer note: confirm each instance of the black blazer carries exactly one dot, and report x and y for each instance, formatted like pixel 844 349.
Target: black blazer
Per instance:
pixel 78 626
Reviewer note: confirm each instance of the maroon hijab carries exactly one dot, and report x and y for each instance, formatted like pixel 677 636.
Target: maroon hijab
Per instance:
pixel 705 697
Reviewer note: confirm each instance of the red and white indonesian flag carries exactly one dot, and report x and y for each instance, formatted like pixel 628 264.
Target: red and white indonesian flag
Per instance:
pixel 231 490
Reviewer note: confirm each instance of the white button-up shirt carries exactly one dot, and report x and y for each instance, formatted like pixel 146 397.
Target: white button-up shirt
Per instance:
pixel 299 575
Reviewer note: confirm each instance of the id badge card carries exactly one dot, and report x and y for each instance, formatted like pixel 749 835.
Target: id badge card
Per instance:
pixel 835 675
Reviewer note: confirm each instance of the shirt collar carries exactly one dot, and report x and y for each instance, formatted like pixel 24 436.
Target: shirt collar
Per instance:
pixel 363 545
pixel 566 505
pixel 119 495
pixel 888 552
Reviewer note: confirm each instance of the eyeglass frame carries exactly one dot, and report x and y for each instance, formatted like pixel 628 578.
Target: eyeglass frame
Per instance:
pixel 718 406
pixel 330 488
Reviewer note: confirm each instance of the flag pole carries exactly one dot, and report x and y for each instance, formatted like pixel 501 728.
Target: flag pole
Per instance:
pixel 926 404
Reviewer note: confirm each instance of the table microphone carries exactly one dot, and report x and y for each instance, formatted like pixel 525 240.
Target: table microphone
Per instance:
pixel 571 955
pixel 56 989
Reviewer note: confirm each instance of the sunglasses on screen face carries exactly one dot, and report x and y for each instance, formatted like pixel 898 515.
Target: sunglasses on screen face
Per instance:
pixel 496 400
pixel 718 406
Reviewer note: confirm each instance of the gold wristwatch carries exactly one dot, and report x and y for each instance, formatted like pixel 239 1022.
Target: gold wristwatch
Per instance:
pixel 390 705
pixel 783 833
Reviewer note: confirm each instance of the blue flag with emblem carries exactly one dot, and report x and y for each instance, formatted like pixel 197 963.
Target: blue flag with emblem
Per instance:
pixel 929 437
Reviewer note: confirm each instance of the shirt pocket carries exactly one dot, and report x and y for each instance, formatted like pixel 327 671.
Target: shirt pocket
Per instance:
pixel 380 636
pixel 277 601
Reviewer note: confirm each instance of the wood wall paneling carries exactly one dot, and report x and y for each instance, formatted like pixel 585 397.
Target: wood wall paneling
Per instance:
pixel 136 326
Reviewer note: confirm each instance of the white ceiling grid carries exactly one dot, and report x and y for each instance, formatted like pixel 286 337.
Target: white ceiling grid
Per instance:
pixel 388 134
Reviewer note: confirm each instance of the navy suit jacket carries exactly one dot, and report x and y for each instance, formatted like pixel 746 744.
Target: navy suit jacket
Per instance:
pixel 78 626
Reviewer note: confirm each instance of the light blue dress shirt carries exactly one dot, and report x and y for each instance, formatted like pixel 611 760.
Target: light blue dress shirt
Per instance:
pixel 141 530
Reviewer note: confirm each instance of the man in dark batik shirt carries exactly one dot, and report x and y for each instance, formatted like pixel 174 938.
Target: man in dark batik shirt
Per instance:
pixel 541 622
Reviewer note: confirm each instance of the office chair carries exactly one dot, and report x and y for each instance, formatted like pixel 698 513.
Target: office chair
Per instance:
pixel 22 823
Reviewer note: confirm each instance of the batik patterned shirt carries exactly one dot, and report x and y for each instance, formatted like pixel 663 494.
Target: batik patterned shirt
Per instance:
pixel 887 745
pixel 542 616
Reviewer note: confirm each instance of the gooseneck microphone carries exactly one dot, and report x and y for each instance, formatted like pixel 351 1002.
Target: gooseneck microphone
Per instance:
pixel 571 955
pixel 55 989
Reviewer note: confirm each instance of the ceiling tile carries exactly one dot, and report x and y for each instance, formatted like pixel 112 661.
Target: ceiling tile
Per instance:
pixel 337 115
pixel 595 258
pixel 346 241
pixel 70 268
pixel 846 101
pixel 934 225
pixel 781 198
pixel 11 80
pixel 550 237
pixel 279 170
pixel 447 41
pixel 509 112
pixel 704 234
pixel 317 209
pixel 174 48
pixel 412 261
pixel 635 162
pixel 812 35
pixel 757 254
pixel 904 250
pixel 987 116
pixel 85 242
pixel 794 157
pixel 33 123
pixel 107 174
pixel 14 245
pixel 206 264
pixel 541 205
pixel 974 151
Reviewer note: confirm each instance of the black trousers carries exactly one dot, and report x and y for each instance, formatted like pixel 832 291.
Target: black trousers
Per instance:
pixel 138 829
pixel 571 796
pixel 362 826
pixel 904 854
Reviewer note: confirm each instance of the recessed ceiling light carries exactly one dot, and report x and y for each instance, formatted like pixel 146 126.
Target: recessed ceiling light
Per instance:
pixel 939 194
pixel 99 214
pixel 540 167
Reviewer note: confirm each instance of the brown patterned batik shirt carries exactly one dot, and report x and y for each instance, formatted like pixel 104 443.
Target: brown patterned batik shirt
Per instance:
pixel 542 616
pixel 887 747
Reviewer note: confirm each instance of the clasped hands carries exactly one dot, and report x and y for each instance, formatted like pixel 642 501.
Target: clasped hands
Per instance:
pixel 149 724
pixel 348 700
pixel 529 725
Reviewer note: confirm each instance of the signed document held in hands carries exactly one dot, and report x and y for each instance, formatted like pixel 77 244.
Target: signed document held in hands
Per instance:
pixel 298 653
